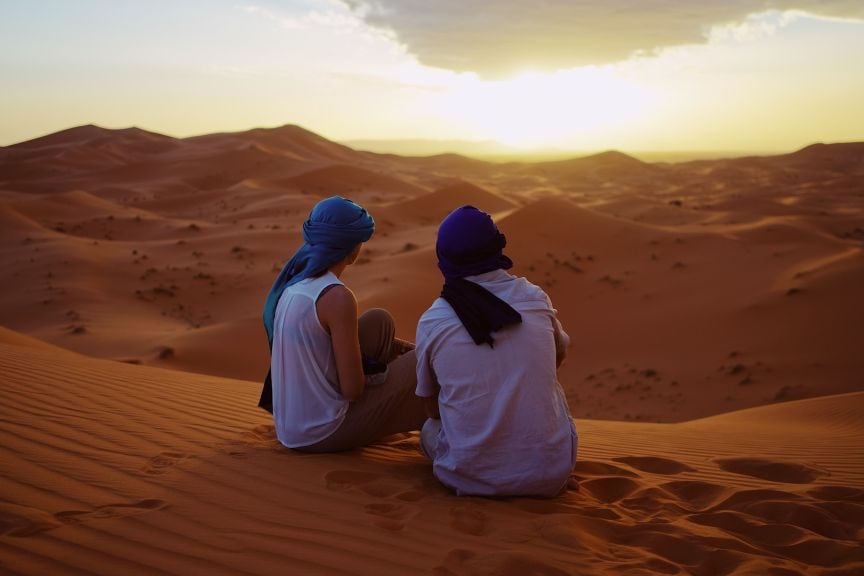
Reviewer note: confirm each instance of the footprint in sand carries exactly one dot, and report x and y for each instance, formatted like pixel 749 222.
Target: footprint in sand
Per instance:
pixel 833 518
pixel 22 521
pixel 110 511
pixel 370 483
pixel 388 515
pixel 610 489
pixel 794 526
pixel 837 493
pixel 374 484
pixel 696 495
pixel 341 480
pixel 742 498
pixel 163 461
pixel 655 465
pixel 788 472
pixel 468 520
pixel 752 530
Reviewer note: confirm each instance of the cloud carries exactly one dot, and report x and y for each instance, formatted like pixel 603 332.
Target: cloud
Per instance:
pixel 283 21
pixel 329 14
pixel 499 37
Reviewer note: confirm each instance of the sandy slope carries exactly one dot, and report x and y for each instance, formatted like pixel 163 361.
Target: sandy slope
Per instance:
pixel 115 468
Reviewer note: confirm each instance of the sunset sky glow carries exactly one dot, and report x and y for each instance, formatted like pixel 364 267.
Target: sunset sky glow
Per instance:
pixel 664 75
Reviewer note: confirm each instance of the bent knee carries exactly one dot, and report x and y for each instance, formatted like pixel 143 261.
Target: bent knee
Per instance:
pixel 377 316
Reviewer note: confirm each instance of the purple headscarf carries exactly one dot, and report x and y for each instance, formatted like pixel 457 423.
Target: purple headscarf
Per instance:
pixel 469 243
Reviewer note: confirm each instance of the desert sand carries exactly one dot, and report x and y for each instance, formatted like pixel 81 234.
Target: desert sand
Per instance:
pixel 715 372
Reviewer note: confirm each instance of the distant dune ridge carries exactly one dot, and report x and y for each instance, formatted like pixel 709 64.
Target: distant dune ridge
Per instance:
pixel 716 372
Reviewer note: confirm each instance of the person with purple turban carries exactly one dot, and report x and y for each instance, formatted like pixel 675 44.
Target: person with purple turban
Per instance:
pixel 488 351
pixel 337 381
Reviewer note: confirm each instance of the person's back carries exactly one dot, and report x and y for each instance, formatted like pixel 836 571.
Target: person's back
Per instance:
pixel 487 358
pixel 307 404
pixel 505 425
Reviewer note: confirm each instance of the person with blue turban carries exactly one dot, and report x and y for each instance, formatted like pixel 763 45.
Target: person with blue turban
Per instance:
pixel 488 351
pixel 337 381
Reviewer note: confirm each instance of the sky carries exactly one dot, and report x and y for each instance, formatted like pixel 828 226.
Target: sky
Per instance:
pixel 748 75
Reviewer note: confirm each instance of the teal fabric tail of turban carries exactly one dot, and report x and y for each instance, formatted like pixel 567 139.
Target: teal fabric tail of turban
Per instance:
pixel 335 226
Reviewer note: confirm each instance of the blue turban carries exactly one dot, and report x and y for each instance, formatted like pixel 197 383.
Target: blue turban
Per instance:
pixel 469 243
pixel 334 228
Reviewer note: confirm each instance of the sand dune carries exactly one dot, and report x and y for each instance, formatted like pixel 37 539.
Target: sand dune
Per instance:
pixel 606 164
pixel 665 269
pixel 110 467
pixel 430 208
pixel 297 140
pixel 715 370
pixel 353 182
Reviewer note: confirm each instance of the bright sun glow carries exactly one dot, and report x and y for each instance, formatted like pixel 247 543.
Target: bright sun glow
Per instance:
pixel 536 109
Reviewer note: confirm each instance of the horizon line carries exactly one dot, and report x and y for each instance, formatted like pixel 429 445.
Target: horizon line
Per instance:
pixel 505 151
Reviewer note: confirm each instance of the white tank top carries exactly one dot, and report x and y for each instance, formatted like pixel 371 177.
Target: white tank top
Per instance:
pixel 307 404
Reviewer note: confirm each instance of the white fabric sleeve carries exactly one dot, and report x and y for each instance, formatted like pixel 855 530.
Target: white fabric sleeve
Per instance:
pixel 562 339
pixel 427 383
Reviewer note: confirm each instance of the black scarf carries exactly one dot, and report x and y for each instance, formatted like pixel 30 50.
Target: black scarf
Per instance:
pixel 480 311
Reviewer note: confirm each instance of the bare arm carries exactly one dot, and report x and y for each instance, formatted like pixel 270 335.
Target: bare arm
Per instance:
pixel 337 311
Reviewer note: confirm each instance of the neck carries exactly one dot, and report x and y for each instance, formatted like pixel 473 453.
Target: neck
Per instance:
pixel 339 268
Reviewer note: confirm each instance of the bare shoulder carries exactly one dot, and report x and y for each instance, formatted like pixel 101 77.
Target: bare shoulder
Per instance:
pixel 337 294
pixel 336 302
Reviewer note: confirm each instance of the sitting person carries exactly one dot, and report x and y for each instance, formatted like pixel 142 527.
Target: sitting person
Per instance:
pixel 319 389
pixel 499 424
